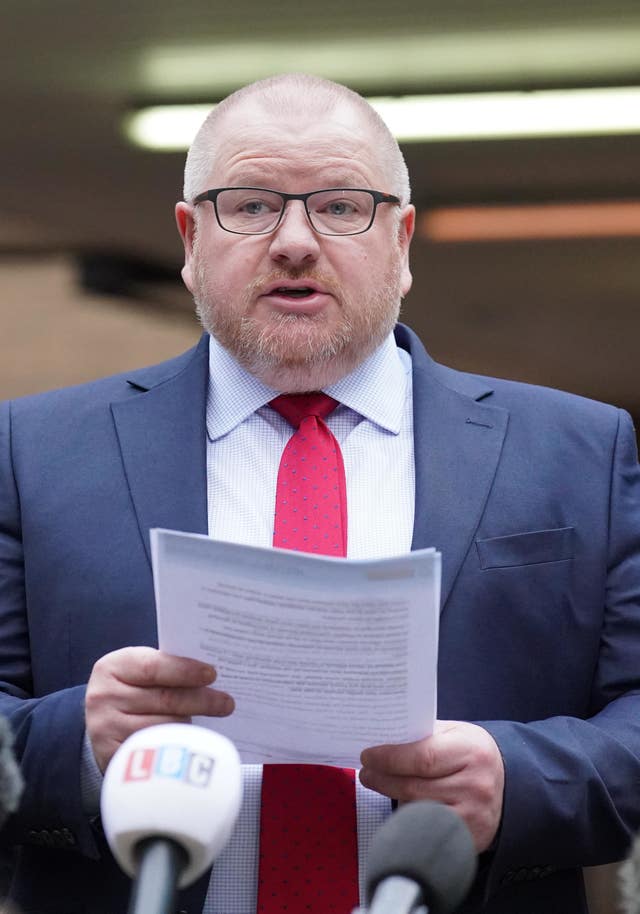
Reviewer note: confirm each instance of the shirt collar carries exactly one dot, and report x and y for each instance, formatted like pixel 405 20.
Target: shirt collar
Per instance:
pixel 376 389
pixel 233 393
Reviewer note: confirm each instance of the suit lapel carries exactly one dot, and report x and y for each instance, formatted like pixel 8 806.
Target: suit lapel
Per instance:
pixel 162 438
pixel 457 444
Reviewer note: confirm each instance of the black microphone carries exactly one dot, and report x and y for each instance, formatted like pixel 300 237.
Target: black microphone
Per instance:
pixel 423 856
pixel 629 881
pixel 11 783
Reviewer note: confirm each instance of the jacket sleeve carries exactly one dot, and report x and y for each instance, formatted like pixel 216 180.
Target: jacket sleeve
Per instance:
pixel 48 729
pixel 572 794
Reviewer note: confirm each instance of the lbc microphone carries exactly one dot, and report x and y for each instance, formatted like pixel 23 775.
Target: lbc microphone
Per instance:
pixel 11 783
pixel 170 798
pixel 422 857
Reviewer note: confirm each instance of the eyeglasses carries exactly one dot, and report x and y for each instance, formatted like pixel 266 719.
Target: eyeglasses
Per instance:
pixel 256 211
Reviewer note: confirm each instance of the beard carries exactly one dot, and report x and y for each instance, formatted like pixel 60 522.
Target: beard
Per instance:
pixel 293 352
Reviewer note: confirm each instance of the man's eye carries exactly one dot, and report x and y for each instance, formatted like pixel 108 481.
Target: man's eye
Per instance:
pixel 255 207
pixel 339 208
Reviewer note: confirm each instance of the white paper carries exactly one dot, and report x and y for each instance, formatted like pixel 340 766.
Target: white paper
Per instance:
pixel 323 656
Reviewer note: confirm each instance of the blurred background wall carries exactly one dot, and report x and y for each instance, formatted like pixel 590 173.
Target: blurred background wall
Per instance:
pixel 526 260
pixel 522 268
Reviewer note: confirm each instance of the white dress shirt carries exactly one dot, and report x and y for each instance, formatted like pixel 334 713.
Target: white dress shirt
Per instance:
pixel 245 440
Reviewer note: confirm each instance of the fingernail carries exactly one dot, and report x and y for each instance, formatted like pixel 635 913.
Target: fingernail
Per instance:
pixel 208 674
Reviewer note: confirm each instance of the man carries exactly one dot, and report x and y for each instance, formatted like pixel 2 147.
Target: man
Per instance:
pixel 533 496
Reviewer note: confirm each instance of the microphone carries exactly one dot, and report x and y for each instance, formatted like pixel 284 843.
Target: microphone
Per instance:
pixel 629 880
pixel 11 783
pixel 170 798
pixel 422 857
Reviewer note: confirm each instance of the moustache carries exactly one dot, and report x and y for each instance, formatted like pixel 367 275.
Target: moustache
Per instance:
pixel 313 277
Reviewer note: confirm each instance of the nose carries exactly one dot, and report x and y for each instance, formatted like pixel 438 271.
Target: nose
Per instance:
pixel 294 242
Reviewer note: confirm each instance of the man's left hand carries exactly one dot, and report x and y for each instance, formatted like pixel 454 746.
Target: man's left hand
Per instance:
pixel 459 765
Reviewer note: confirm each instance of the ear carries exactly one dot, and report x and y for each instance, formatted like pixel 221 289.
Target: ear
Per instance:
pixel 185 220
pixel 405 234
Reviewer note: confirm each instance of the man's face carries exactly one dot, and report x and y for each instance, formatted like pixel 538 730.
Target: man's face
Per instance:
pixel 244 285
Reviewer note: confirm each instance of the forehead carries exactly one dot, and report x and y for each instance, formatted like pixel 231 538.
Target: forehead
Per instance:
pixel 297 151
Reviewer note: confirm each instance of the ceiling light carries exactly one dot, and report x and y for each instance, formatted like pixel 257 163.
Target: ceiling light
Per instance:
pixel 483 58
pixel 510 115
pixel 429 118
pixel 165 128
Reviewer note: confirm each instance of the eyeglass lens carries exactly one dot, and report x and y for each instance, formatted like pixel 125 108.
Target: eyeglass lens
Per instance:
pixel 336 212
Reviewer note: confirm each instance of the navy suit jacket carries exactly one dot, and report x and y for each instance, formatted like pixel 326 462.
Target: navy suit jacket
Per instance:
pixel 533 497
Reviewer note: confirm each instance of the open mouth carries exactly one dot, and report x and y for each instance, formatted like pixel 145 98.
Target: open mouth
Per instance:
pixel 302 292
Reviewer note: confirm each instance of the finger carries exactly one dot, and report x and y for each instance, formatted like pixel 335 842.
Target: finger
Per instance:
pixel 127 724
pixel 446 790
pixel 146 666
pixel 175 702
pixel 205 702
pixel 426 758
pixel 111 726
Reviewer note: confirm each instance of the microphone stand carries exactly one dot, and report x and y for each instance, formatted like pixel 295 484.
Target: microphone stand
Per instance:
pixel 161 862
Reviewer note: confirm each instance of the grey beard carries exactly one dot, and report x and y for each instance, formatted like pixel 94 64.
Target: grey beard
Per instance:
pixel 266 346
pixel 299 352
pixel 315 361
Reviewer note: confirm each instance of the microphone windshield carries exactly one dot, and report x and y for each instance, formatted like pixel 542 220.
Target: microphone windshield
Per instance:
pixel 175 781
pixel 429 844
pixel 11 783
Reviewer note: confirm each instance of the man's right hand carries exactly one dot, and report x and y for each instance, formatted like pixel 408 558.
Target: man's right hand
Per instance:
pixel 136 687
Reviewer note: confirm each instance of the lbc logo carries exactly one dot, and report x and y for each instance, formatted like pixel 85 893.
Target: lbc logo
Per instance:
pixel 169 762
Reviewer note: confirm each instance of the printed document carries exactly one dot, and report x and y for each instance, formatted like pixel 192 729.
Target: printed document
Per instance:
pixel 323 656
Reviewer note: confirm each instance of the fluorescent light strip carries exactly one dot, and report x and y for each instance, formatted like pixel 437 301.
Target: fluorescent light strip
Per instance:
pixel 165 128
pixel 531 222
pixel 432 118
pixel 510 115
pixel 483 57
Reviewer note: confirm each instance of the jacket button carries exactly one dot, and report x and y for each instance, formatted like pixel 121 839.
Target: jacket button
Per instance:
pixel 68 837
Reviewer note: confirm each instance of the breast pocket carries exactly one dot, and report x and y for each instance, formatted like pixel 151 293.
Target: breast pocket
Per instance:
pixel 534 548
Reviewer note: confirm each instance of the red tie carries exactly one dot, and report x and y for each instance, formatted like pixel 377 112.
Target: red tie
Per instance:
pixel 311 495
pixel 308 830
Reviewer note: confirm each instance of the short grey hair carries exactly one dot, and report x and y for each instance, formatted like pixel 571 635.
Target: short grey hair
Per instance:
pixel 292 92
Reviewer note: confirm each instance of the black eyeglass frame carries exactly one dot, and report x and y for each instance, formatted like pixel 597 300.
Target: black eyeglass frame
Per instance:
pixel 378 196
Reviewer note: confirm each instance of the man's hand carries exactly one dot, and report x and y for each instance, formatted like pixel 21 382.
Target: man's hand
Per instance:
pixel 136 687
pixel 459 765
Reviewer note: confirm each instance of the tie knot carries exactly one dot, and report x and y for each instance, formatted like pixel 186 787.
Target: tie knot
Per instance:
pixel 296 407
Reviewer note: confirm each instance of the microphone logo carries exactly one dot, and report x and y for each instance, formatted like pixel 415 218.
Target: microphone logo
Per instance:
pixel 170 761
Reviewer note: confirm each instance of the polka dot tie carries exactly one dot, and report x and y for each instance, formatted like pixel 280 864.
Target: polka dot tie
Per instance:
pixel 311 497
pixel 308 832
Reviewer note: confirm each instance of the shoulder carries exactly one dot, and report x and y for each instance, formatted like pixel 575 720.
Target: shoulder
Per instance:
pixel 104 391
pixel 528 402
